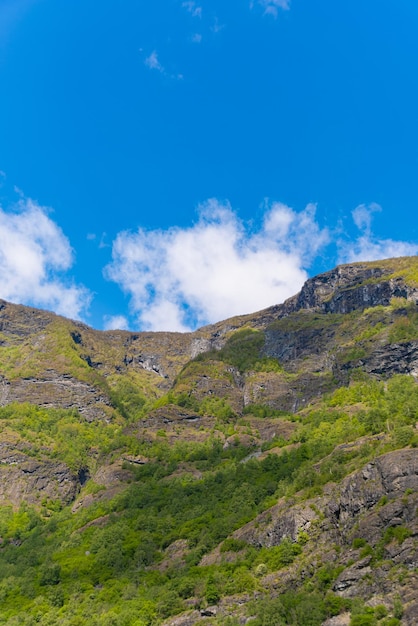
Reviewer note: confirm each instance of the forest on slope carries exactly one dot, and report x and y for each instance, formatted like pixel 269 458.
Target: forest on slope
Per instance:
pixel 262 469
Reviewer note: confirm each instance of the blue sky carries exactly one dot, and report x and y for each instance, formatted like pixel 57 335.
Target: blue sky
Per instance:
pixel 169 164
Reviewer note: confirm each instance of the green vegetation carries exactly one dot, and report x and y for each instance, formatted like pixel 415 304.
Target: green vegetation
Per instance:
pixel 244 351
pixel 404 328
pixel 405 267
pixel 113 570
pixel 210 405
pixel 298 608
pixel 179 484
pixel 60 434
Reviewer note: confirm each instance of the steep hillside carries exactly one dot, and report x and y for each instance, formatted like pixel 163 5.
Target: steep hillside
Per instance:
pixel 262 469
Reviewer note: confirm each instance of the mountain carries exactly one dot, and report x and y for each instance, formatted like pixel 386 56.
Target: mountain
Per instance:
pixel 262 469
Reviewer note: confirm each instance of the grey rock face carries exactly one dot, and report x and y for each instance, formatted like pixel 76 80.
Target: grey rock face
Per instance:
pixel 350 287
pixel 348 581
pixel 24 479
pixel 24 320
pixel 400 358
pixel 57 391
pixel 390 476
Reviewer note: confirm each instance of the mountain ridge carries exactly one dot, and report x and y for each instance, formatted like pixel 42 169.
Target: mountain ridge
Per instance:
pixel 260 468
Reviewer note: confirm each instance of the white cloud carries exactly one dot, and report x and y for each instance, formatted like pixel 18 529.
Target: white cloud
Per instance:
pixel 193 8
pixel 368 247
pixel 34 257
pixel 115 322
pixel 362 216
pixel 153 63
pixel 196 38
pixel 271 7
pixel 180 278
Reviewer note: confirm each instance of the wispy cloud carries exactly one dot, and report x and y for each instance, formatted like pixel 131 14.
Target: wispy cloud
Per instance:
pixel 363 215
pixel 271 7
pixel 35 257
pixel 153 63
pixel 367 246
pixel 217 26
pixel 180 278
pixel 209 25
pixel 101 242
pixel 115 322
pixel 193 8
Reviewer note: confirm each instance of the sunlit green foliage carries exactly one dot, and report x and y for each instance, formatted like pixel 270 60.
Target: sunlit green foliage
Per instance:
pixel 405 328
pixel 106 563
pixel 59 433
pixel 244 351
pixel 161 539
pixel 293 609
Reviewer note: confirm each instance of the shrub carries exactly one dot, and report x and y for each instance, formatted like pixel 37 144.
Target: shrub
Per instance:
pixel 291 608
pixel 212 594
pixel 400 533
pixel 380 611
pixel 327 574
pixel 261 570
pixel 243 349
pixel 364 619
pixel 216 407
pixel 279 556
pixel 334 605
pixel 50 574
pixel 403 435
pixel 397 608
pixel 233 545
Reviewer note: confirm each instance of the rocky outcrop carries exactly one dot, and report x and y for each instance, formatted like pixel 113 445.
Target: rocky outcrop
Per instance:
pixel 159 357
pixel 22 321
pixel 389 477
pixel 279 523
pixel 350 288
pixel 377 505
pixel 26 479
pixel 352 576
pixel 57 391
pixel 377 497
pixel 390 359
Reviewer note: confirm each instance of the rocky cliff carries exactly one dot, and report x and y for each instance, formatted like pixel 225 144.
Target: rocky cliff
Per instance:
pixel 58 362
pixel 286 437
